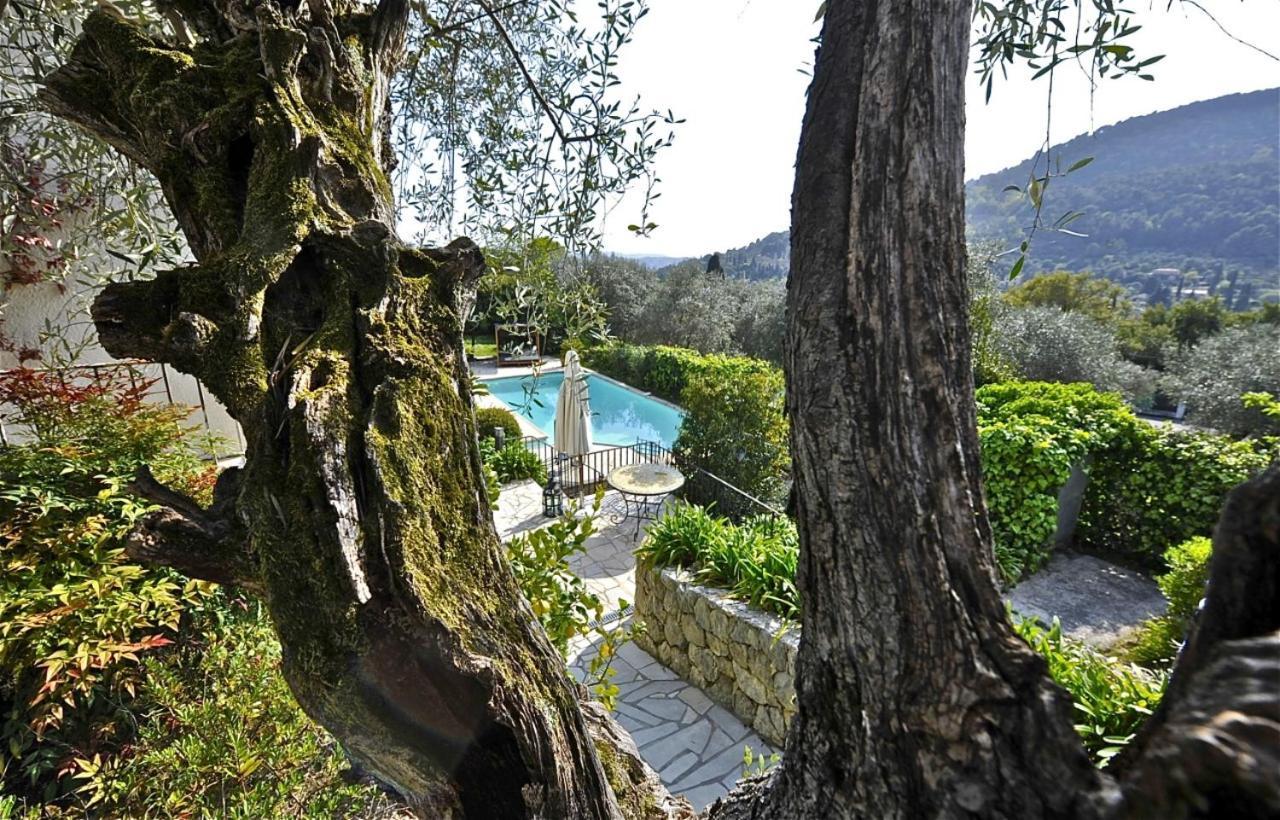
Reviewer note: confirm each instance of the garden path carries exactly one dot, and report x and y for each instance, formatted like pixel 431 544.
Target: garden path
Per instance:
pixel 695 745
pixel 1096 601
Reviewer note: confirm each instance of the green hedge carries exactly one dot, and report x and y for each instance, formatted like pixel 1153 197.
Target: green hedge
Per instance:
pixel 734 429
pixel 1184 585
pixel 1149 487
pixel 665 371
pixel 1164 487
pixel 487 418
pixel 1032 434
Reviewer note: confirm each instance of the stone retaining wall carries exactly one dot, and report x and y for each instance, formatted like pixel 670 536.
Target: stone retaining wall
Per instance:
pixel 743 658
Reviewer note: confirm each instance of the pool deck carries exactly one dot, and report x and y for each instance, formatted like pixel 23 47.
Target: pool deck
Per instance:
pixel 695 745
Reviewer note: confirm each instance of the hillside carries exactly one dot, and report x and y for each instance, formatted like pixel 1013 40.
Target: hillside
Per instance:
pixel 1196 189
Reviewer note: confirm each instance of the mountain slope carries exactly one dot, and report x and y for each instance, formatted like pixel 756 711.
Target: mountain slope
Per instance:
pixel 1196 188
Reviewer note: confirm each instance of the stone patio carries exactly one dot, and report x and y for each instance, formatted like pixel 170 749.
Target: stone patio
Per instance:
pixel 695 746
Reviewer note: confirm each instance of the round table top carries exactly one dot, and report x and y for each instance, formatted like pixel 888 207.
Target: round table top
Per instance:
pixel 645 479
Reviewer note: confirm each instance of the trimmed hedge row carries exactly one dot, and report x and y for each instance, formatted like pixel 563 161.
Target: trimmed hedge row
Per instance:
pixel 1149 487
pixel 665 371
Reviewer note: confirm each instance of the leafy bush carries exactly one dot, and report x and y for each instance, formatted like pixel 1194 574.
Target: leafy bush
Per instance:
pixel 220 735
pixel 1032 434
pixel 488 418
pixel 1184 586
pixel 1214 376
pixel 1025 462
pixel 754 560
pixel 1162 487
pixel 1149 487
pixel 736 430
pixel 664 371
pixel 1112 699
pixel 76 617
pixel 514 462
pixel 559 597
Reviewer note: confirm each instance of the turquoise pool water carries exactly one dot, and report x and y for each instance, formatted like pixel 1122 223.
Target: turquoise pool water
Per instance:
pixel 619 415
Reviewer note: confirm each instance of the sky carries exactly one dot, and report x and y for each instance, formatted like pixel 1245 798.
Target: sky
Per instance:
pixel 735 70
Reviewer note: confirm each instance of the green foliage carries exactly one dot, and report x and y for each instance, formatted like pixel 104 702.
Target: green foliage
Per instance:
pixel 1184 585
pixel 1050 344
pixel 1032 434
pixel 736 430
pixel 1025 462
pixel 1192 320
pixel 514 462
pixel 664 371
pixel 559 597
pixel 1214 377
pixel 1162 486
pixel 758 765
pixel 532 286
pixel 1112 699
pixel 1149 487
pixel 754 560
pixel 985 308
pixel 76 617
pixel 488 418
pixel 1076 292
pixel 220 735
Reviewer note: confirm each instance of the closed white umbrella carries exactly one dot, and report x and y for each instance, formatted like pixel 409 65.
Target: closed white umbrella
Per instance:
pixel 573 410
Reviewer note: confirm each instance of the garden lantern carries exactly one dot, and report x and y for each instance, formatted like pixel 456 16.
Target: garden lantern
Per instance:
pixel 552 502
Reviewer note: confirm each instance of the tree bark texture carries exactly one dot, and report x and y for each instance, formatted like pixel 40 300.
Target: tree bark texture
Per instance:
pixel 360 514
pixel 915 698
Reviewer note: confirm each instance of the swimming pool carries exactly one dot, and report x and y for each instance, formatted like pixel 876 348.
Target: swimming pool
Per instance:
pixel 619 415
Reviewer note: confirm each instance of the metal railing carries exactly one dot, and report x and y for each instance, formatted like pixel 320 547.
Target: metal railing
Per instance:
pixel 581 474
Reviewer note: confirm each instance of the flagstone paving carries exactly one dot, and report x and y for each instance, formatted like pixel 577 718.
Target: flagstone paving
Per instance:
pixel 695 745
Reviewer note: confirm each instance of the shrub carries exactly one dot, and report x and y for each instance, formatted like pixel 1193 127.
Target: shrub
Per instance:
pixel 1050 344
pixel 1184 586
pixel 664 371
pixel 1163 487
pixel 1032 434
pixel 220 735
pixel 1025 462
pixel 514 462
pixel 754 560
pixel 559 597
pixel 1214 376
pixel 736 430
pixel 1149 487
pixel 77 615
pixel 1111 699
pixel 488 418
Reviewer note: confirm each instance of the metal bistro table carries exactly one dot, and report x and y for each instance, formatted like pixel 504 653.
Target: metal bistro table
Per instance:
pixel 644 487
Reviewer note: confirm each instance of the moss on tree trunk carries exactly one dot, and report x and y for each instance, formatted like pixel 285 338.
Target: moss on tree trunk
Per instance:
pixel 361 513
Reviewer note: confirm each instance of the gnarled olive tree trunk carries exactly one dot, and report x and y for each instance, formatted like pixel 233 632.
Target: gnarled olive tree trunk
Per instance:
pixel 360 514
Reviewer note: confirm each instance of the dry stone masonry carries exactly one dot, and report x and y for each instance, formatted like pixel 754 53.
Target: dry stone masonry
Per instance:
pixel 743 658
